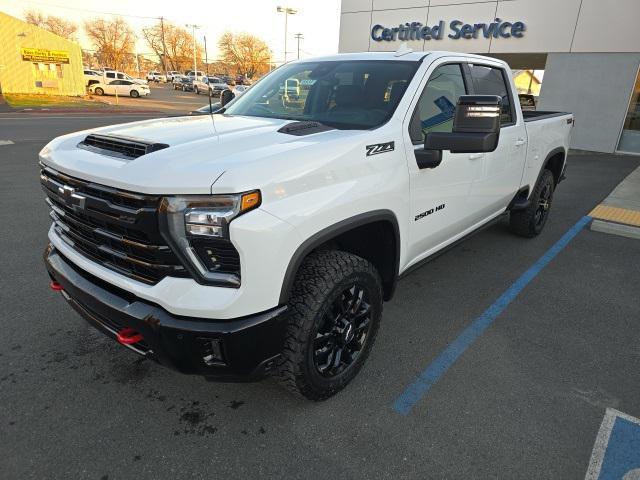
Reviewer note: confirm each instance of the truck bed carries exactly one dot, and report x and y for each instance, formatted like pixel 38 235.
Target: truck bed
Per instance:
pixel 533 115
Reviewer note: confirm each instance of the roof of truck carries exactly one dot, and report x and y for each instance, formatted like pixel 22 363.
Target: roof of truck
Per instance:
pixel 399 55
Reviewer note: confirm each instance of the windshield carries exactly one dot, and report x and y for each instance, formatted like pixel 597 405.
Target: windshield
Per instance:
pixel 350 94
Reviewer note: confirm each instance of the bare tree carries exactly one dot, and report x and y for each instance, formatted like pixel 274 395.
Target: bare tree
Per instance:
pixel 178 42
pixel 246 54
pixel 51 23
pixel 114 41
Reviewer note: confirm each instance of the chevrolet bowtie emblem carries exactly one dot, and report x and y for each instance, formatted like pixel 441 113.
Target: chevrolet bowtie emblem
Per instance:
pixel 71 198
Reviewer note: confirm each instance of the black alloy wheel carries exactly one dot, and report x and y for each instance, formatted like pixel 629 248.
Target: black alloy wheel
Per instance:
pixel 544 202
pixel 334 312
pixel 343 332
pixel 530 221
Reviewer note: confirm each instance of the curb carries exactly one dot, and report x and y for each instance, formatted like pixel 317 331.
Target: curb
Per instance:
pixel 615 229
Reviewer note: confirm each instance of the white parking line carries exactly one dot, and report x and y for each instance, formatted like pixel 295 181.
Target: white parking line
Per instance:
pixel 6 142
pixel 626 455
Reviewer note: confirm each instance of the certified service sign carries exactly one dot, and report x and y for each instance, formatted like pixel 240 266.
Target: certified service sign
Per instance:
pixel 41 55
pixel 457 30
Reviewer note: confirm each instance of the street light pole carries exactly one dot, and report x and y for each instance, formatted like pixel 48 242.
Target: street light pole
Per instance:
pixel 287 11
pixel 193 34
pixel 299 37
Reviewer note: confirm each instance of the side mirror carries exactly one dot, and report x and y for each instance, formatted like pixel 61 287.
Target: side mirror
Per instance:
pixel 225 97
pixel 476 126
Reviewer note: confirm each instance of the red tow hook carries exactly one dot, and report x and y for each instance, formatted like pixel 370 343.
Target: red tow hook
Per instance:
pixel 128 336
pixel 55 286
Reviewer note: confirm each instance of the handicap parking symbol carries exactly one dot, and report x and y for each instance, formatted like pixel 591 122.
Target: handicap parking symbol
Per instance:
pixel 616 452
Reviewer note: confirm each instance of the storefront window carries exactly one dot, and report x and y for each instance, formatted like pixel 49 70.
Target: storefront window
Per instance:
pixel 630 138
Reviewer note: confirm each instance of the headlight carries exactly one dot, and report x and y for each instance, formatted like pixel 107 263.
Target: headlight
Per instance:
pixel 197 229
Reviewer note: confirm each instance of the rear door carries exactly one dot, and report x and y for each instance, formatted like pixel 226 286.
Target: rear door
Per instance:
pixel 439 196
pixel 125 87
pixel 111 86
pixel 501 169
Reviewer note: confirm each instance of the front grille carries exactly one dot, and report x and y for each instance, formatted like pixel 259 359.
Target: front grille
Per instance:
pixel 123 147
pixel 114 228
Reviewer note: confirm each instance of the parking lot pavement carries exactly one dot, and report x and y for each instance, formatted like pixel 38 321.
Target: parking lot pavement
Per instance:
pixel 527 399
pixel 163 98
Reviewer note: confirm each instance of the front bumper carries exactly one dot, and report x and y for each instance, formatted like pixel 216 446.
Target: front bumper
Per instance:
pixel 241 349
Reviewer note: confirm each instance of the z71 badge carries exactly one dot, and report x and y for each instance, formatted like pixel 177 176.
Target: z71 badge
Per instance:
pixel 380 148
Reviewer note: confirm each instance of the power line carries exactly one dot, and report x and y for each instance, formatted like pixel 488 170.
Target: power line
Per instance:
pixel 91 11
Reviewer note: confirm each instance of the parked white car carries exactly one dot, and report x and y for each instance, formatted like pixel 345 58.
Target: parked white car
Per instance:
pixel 211 85
pixel 91 77
pixel 171 75
pixel 122 87
pixel 156 77
pixel 111 75
pixel 264 240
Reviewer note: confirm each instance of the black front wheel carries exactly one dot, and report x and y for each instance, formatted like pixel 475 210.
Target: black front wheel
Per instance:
pixel 335 310
pixel 530 221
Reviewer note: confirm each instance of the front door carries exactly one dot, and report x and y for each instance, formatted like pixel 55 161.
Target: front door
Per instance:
pixel 440 211
pixel 502 168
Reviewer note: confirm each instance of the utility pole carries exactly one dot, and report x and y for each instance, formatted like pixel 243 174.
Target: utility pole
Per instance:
pixel 299 37
pixel 193 27
pixel 287 11
pixel 137 63
pixel 206 56
pixel 164 46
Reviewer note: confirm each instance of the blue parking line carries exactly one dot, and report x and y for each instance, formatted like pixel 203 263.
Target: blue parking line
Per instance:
pixel 430 375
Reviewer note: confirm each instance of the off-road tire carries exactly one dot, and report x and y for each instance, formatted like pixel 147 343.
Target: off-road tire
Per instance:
pixel 323 278
pixel 525 222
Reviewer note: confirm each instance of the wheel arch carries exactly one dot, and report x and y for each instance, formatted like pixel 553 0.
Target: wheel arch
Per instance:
pixel 381 225
pixel 554 162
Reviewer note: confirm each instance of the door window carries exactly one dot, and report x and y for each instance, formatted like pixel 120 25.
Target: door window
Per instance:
pixel 437 104
pixel 491 81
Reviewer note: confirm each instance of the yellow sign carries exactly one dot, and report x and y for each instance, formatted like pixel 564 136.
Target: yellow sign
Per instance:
pixel 41 55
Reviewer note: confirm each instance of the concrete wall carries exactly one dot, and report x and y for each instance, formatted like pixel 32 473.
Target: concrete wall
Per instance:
pixel 596 88
pixel 19 76
pixel 552 25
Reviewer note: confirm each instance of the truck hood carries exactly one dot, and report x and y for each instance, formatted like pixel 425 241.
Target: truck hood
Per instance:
pixel 200 150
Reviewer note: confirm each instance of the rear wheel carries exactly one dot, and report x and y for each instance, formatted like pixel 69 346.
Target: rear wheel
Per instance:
pixel 335 310
pixel 530 221
pixel 99 91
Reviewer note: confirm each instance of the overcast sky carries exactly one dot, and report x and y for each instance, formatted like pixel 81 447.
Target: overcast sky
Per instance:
pixel 318 20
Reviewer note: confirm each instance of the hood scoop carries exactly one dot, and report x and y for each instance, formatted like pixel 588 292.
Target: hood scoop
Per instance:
pixel 120 146
pixel 302 128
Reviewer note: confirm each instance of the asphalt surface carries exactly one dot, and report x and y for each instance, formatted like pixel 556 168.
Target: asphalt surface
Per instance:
pixel 162 98
pixel 524 401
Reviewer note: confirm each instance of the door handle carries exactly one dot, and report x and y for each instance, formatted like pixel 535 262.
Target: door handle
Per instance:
pixel 475 156
pixel 520 142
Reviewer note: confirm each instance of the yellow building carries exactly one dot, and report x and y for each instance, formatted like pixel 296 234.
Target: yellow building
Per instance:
pixel 33 60
pixel 527 81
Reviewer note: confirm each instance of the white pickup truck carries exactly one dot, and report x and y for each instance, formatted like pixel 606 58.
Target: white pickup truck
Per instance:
pixel 263 240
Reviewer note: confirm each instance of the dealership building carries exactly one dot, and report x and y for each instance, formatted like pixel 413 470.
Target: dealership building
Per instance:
pixel 589 51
